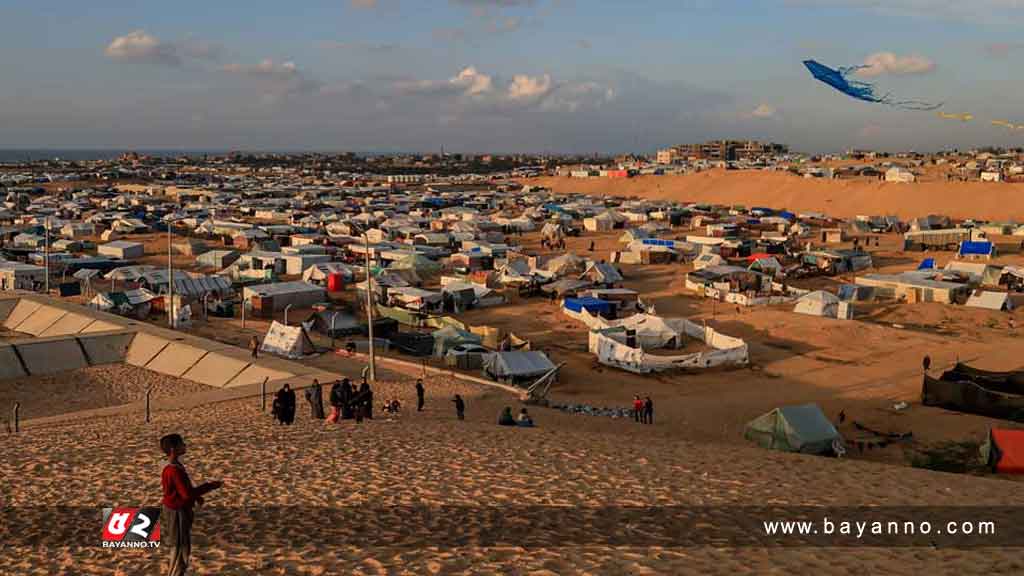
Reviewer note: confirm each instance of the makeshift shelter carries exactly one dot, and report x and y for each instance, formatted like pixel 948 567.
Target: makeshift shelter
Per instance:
pixel 601 274
pixel 593 306
pixel 803 429
pixel 122 249
pixel 416 299
pixel 217 259
pixel 135 303
pixel 565 264
pixel 274 297
pixel 820 303
pixel 415 268
pixel 288 341
pixel 448 337
pixel 965 389
pixel 517 366
pixel 977 249
pixel 333 323
pixel 990 300
pixel 318 273
pixel 707 260
pixel 1003 452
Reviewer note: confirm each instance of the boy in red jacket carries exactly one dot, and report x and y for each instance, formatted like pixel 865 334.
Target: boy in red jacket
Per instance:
pixel 179 499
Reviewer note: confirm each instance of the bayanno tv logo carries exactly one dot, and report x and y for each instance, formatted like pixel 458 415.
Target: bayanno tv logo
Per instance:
pixel 131 527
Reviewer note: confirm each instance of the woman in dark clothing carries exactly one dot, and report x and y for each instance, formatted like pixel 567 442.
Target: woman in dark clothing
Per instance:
pixel 345 393
pixel 315 397
pixel 648 410
pixel 366 400
pixel 336 402
pixel 284 404
pixel 460 407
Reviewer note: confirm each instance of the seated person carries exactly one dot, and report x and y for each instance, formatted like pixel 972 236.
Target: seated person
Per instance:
pixel 506 418
pixel 524 419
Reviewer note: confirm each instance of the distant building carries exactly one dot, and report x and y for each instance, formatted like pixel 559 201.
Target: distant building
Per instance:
pixel 720 151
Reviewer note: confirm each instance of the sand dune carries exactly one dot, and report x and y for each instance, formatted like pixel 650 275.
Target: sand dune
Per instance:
pixel 841 198
pixel 432 460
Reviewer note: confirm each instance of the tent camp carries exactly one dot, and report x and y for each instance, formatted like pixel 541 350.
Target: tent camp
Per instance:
pixel 516 366
pixel 288 341
pixel 820 303
pixel 1003 452
pixel 802 429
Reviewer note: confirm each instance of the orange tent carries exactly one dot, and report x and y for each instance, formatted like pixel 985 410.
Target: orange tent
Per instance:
pixel 1006 451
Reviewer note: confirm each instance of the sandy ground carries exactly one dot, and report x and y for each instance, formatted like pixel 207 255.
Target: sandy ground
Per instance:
pixel 840 198
pixel 431 459
pixel 93 387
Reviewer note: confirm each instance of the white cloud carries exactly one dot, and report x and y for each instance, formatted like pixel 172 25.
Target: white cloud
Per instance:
pixel 141 46
pixel 881 63
pixel 764 111
pixel 525 87
pixel 473 82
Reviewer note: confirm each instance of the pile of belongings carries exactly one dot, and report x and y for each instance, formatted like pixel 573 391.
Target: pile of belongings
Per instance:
pixel 592 411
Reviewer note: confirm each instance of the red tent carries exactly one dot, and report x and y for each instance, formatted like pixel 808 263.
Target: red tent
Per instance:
pixel 1006 451
pixel 755 257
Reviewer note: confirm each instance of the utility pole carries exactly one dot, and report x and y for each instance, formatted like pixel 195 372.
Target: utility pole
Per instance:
pixel 46 252
pixel 170 279
pixel 371 297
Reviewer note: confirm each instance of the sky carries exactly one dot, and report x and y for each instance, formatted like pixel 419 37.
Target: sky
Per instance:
pixel 499 76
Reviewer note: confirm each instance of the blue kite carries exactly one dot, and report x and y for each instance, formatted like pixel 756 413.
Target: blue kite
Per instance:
pixel 839 79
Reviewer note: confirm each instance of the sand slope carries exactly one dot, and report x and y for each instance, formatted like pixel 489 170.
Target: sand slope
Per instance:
pixel 841 198
pixel 431 459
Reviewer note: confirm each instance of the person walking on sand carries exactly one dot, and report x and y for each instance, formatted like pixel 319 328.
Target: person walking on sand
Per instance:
pixel 179 500
pixel 285 404
pixel 254 346
pixel 648 410
pixel 419 394
pixel 314 395
pixel 460 407
pixel 638 408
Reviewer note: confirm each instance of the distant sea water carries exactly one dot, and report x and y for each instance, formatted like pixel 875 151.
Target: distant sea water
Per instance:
pixel 83 155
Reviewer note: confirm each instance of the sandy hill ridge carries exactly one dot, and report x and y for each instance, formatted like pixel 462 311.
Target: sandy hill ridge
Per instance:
pixel 841 198
pixel 430 459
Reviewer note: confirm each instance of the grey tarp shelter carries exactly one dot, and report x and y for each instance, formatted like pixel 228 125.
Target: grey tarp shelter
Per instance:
pixel 517 365
pixel 801 428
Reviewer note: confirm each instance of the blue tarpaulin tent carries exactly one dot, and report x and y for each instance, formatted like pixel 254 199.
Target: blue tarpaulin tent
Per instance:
pixel 979 248
pixel 657 242
pixel 590 304
pixel 927 264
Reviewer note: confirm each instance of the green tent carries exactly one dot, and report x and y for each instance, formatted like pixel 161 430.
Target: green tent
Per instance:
pixel 422 265
pixel 794 429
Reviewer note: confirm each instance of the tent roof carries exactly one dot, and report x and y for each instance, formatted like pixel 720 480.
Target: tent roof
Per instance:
pixel 518 363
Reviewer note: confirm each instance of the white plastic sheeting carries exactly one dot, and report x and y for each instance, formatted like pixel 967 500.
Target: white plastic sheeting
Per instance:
pixel 728 351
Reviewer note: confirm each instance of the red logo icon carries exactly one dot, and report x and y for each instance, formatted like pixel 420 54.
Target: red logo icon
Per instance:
pixel 125 527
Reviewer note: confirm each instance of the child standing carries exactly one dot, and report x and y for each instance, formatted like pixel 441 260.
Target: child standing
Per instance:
pixel 179 499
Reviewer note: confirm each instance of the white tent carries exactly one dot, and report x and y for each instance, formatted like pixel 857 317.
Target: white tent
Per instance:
pixel 707 260
pixel 818 303
pixel 990 300
pixel 318 273
pixel 287 341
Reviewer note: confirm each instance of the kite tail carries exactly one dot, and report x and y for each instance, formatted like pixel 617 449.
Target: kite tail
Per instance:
pixel 913 104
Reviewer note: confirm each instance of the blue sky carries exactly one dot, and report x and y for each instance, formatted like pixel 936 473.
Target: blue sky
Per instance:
pixel 501 75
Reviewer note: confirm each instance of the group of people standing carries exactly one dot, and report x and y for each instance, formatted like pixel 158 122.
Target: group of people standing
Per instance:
pixel 349 402
pixel 643 410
